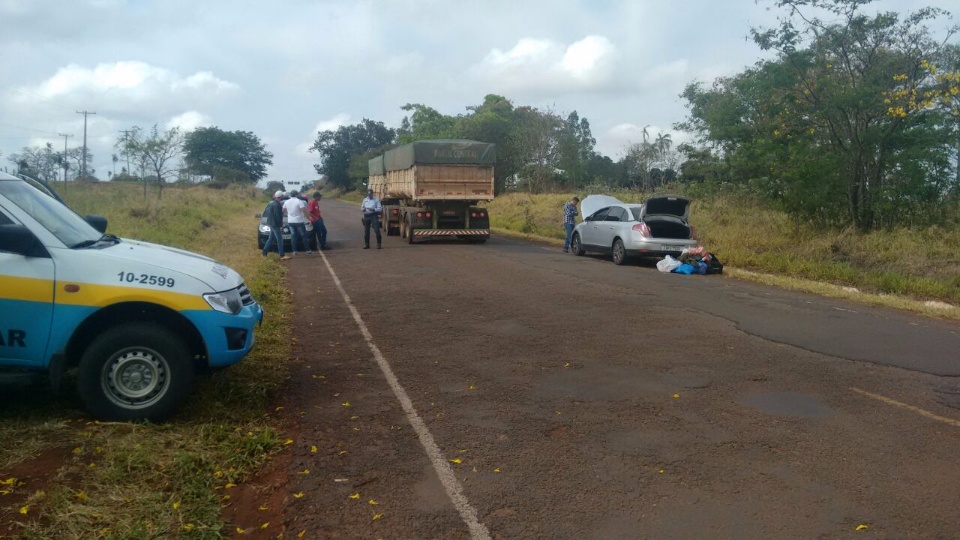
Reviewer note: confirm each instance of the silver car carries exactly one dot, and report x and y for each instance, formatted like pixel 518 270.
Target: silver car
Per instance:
pixel 656 228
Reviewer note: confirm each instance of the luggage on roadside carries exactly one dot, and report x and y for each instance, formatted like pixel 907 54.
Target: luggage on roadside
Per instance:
pixel 714 266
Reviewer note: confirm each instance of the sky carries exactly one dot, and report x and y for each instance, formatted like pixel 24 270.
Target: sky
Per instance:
pixel 287 69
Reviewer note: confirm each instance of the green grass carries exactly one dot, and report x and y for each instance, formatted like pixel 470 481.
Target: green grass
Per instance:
pixel 920 264
pixel 161 481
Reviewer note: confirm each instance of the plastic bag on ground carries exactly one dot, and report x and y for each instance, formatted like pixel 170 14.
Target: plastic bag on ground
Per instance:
pixel 685 269
pixel 668 264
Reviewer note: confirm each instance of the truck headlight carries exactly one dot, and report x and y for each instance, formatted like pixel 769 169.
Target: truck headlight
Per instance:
pixel 225 302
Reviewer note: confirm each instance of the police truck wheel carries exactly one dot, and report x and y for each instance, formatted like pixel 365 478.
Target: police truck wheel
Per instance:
pixel 136 371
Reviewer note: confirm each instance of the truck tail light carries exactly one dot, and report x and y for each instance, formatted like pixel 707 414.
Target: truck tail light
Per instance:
pixel 395 211
pixel 419 214
pixel 428 214
pixel 643 229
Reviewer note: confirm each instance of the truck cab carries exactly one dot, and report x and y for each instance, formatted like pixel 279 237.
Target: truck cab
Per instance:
pixel 137 320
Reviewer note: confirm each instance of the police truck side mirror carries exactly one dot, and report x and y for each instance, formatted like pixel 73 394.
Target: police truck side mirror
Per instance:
pixel 97 222
pixel 18 239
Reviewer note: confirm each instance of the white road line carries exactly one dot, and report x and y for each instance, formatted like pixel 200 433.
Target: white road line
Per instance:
pixel 478 530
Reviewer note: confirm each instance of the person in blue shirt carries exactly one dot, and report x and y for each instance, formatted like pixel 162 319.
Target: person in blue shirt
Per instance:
pixel 371 218
pixel 569 220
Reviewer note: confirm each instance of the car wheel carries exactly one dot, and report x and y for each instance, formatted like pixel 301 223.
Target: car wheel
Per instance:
pixel 576 245
pixel 136 371
pixel 619 252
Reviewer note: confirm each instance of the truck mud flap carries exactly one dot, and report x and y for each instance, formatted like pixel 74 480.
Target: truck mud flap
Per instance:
pixel 449 232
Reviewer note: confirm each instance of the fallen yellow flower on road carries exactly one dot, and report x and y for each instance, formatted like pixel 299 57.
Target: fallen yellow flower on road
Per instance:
pixel 9 481
pixel 304 472
pixel 230 485
pixel 377 516
pixel 313 449
pixel 456 460
pixel 497 470
pixel 567 364
pixel 342 452
pixel 472 387
pixel 346 403
pixel 24 510
pixel 241 531
pixel 862 527
pixel 676 396
pixel 188 526
pixel 265 525
pixel 301 533
pixel 298 495
pixel 81 496
pixel 288 442
pixel 355 496
pixel 263 507
pixel 278 409
pixel 373 502
pixel 5 492
pixel 176 505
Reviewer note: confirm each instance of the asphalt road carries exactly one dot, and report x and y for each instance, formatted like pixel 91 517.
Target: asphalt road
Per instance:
pixel 508 390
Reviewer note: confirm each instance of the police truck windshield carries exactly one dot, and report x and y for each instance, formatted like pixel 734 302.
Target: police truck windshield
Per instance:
pixel 62 222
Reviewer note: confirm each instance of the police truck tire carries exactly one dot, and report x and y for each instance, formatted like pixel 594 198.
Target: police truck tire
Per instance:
pixel 136 371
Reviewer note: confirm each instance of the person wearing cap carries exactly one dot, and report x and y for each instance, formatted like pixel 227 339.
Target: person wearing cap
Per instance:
pixel 316 218
pixel 371 209
pixel 274 214
pixel 295 209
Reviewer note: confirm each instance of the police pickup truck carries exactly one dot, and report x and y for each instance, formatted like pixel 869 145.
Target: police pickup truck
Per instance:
pixel 136 320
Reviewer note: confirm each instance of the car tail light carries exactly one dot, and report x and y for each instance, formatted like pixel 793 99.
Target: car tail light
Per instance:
pixel 483 214
pixel 643 229
pixel 693 233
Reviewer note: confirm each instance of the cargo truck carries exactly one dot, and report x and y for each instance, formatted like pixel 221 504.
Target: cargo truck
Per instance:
pixel 432 189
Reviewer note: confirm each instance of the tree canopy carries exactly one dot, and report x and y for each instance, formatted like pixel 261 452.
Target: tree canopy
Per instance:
pixel 231 156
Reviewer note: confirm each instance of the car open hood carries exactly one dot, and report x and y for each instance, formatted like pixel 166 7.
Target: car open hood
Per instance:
pixel 666 206
pixel 592 203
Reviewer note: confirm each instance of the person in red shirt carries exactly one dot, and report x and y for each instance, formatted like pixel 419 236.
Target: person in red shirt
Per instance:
pixel 316 218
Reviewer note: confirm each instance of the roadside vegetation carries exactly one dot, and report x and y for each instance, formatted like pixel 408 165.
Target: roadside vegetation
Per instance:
pixel 130 480
pixel 918 263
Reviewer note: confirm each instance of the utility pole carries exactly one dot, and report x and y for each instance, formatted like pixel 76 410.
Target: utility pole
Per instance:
pixel 126 151
pixel 83 161
pixel 66 162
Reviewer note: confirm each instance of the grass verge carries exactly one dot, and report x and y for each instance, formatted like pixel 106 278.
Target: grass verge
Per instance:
pixel 123 480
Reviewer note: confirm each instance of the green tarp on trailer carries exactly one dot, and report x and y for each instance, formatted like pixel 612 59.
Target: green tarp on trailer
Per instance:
pixel 439 152
pixel 376 166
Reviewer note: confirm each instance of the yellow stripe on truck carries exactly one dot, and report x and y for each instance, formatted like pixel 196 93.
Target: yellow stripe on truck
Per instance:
pixel 27 289
pixel 105 295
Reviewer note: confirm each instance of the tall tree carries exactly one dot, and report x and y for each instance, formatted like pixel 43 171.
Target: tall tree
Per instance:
pixel 576 147
pixel 222 154
pixel 39 161
pixel 336 148
pixel 842 125
pixel 155 150
pixel 537 136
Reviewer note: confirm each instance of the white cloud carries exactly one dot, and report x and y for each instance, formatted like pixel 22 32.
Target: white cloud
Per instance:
pixel 189 121
pixel 545 66
pixel 303 149
pixel 123 82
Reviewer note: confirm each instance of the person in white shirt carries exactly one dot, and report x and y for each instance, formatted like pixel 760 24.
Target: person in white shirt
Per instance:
pixel 371 218
pixel 295 209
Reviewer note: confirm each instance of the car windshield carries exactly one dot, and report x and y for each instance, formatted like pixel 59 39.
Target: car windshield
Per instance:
pixel 62 222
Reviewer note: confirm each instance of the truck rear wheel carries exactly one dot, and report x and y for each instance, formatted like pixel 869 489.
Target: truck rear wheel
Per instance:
pixel 409 234
pixel 136 371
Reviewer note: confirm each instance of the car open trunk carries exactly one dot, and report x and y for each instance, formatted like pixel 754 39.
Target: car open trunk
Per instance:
pixel 667 227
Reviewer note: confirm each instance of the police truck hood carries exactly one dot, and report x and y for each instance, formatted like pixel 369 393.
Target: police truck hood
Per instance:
pixel 215 275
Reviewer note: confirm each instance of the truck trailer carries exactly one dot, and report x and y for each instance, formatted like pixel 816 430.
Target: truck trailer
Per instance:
pixel 432 189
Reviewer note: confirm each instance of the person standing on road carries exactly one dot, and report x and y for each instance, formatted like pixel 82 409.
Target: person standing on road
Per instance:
pixel 371 209
pixel 316 218
pixel 569 220
pixel 295 208
pixel 274 214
